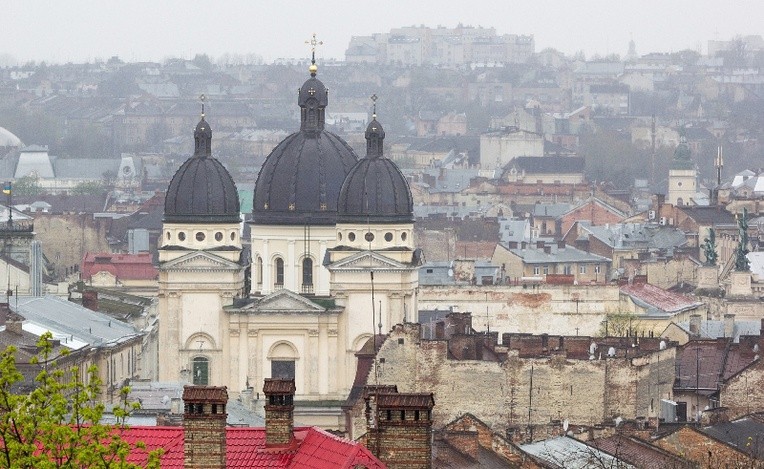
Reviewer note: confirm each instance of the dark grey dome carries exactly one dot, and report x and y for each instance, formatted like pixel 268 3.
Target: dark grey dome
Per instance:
pixel 202 190
pixel 301 179
pixel 375 190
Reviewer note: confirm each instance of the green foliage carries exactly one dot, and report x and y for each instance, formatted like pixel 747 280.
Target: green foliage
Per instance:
pixel 89 188
pixel 27 185
pixel 58 424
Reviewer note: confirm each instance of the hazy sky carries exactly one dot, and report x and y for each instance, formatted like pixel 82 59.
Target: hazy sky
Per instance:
pixel 79 30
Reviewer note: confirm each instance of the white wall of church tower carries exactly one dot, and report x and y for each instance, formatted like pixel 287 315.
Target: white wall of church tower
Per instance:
pixel 290 244
pixel 682 186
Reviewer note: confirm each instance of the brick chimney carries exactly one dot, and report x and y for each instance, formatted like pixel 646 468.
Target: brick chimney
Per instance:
pixel 90 300
pixel 279 411
pixel 400 435
pixel 204 427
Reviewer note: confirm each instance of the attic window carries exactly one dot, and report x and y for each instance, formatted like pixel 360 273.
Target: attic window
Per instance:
pixel 102 259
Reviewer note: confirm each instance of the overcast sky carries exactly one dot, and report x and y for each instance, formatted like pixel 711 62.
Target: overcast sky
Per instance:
pixel 80 30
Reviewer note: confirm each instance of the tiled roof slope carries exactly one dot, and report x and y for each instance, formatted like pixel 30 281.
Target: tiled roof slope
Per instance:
pixel 315 449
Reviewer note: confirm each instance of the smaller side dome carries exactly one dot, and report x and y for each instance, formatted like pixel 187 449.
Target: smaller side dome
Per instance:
pixel 202 190
pixel 375 190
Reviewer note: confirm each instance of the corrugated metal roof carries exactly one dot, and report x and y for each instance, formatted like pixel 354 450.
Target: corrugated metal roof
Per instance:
pixel 568 453
pixel 652 297
pixel 70 319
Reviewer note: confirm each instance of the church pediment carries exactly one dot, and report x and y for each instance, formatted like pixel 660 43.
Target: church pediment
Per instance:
pixel 367 260
pixel 285 301
pixel 199 260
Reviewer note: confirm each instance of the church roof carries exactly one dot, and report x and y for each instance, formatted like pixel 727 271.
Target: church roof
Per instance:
pixel 202 190
pixel 375 189
pixel 301 178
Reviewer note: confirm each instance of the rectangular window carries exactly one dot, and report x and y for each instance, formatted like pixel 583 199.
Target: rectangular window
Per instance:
pixel 546 270
pixel 536 270
pixel 567 270
pixel 282 369
pixel 582 269
pixel 597 269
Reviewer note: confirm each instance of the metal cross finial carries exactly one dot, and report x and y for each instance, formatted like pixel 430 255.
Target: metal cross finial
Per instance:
pixel 202 98
pixel 374 100
pixel 313 43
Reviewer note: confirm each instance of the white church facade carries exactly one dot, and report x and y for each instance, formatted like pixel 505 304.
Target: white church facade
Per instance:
pixel 333 261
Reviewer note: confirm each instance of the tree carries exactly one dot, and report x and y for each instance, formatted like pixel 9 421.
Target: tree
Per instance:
pixel 89 188
pixel 58 423
pixel 27 185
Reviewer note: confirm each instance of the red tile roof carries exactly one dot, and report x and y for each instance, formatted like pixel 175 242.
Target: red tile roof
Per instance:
pixel 123 266
pixel 245 448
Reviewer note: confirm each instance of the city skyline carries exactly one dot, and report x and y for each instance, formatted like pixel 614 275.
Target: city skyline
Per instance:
pixel 80 30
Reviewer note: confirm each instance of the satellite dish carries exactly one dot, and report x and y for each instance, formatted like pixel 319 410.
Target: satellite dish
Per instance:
pixel 611 352
pixel 450 272
pixel 663 345
pixel 565 425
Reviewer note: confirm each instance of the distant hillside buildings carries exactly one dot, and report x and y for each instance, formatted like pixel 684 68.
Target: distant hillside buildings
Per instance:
pixel 450 47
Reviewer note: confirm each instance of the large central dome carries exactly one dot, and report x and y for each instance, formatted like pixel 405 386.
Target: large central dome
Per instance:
pixel 301 179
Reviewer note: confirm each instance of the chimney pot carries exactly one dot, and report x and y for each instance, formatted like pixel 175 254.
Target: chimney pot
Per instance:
pixel 279 411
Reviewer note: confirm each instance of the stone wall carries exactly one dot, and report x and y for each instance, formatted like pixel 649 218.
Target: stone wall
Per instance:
pixel 564 309
pixel 65 238
pixel 743 393
pixel 517 390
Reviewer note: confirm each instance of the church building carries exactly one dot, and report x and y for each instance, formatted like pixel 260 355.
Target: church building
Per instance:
pixel 333 261
pixel 683 176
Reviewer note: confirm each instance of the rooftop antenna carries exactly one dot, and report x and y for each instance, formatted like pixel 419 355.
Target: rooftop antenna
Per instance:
pixel 202 98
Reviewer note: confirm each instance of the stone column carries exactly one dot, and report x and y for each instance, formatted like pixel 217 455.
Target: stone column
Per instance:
pixel 290 265
pixel 267 278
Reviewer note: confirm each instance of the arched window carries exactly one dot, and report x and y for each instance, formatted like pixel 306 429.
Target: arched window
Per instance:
pixel 307 275
pixel 201 371
pixel 679 201
pixel 259 267
pixel 279 272
pixel 283 357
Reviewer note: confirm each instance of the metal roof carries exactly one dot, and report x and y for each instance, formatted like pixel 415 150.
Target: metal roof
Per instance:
pixel 72 321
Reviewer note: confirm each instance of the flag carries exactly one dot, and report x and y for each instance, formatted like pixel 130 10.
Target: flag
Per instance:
pixel 7 188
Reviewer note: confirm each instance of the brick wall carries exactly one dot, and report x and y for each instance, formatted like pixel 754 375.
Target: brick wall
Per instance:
pixel 204 441
pixel 402 442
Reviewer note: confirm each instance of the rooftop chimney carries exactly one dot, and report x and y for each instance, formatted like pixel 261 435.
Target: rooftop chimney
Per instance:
pixel 90 300
pixel 695 324
pixel 729 325
pixel 204 422
pixel 400 435
pixel 279 411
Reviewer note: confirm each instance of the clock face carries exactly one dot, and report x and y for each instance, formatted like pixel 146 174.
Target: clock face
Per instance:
pixel 126 170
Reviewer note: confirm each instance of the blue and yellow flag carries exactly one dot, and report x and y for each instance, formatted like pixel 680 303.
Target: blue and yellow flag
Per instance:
pixel 7 188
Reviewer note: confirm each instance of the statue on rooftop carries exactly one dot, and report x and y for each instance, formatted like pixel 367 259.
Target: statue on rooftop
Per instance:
pixel 741 261
pixel 709 248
